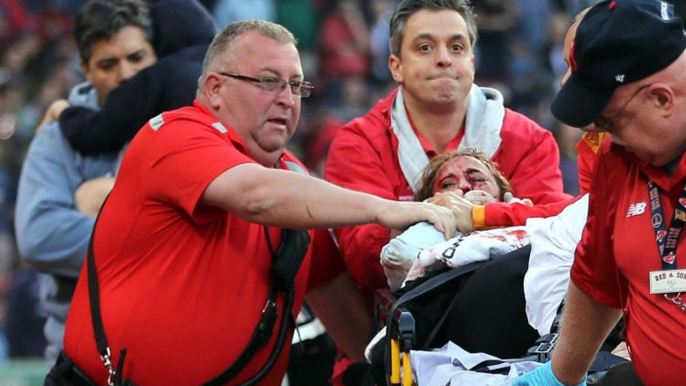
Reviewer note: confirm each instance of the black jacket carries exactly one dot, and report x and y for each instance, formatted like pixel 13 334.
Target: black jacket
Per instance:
pixel 183 30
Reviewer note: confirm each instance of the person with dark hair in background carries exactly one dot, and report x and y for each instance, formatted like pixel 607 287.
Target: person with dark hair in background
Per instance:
pixel 52 225
pixel 168 84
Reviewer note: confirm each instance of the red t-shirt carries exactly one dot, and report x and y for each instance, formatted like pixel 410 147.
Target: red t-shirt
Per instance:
pixel 182 285
pixel 617 251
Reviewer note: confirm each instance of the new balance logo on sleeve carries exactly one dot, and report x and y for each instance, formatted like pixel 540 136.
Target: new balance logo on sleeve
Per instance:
pixel 636 209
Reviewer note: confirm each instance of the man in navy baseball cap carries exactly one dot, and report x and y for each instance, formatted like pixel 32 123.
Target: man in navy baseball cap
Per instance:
pixel 627 78
pixel 619 42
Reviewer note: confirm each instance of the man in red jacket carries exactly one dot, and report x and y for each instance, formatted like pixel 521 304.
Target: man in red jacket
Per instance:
pixel 436 108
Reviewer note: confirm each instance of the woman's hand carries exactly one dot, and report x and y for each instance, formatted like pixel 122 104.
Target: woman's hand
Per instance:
pixel 511 199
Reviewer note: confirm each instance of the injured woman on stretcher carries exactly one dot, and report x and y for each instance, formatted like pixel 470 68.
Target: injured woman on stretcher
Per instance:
pixel 504 306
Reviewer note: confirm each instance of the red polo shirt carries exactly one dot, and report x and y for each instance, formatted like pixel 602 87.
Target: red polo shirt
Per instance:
pixel 617 251
pixel 182 285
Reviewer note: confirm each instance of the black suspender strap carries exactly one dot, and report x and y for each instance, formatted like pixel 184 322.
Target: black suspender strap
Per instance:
pixel 291 252
pixel 260 337
pixel 96 314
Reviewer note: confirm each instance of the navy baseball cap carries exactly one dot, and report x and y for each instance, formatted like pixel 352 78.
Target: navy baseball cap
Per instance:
pixel 617 42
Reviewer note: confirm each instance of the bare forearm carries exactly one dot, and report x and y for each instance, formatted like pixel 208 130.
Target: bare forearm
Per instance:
pixel 341 308
pixel 291 199
pixel 288 199
pixel 586 324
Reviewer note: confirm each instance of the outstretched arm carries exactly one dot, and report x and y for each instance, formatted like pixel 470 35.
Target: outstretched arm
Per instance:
pixel 286 199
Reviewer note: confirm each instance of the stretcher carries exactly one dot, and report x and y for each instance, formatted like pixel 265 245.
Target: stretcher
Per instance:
pixel 400 323
pixel 401 334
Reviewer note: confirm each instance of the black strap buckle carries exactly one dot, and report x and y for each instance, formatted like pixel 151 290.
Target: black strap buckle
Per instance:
pixel 267 320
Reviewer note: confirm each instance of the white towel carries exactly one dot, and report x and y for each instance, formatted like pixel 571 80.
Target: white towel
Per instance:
pixel 483 123
pixel 463 250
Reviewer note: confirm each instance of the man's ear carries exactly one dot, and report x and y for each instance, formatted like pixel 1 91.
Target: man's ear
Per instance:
pixel 212 84
pixel 395 65
pixel 662 97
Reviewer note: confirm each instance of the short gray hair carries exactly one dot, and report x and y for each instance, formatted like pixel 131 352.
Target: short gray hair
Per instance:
pixel 407 8
pixel 227 37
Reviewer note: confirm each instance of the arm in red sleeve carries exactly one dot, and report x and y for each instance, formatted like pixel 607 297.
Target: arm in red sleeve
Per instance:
pixel 502 214
pixel 353 163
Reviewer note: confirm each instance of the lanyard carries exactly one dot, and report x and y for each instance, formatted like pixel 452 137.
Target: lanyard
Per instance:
pixel 666 238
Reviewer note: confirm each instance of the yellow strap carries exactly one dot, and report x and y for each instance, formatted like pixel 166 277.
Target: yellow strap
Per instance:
pixel 407 370
pixel 395 362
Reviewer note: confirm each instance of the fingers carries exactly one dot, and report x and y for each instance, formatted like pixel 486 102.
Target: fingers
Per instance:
pixel 451 200
pixel 441 218
pixel 510 198
pixel 479 197
pixel 52 113
pixel 445 221
pixel 401 215
pixel 450 223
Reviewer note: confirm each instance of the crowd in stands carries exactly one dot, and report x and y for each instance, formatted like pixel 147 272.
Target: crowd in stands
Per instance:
pixel 344 49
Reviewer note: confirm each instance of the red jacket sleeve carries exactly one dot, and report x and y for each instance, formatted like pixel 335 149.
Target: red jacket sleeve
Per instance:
pixel 501 214
pixel 353 163
pixel 530 159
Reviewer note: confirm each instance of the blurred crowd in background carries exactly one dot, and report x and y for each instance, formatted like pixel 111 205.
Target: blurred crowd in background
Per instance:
pixel 344 48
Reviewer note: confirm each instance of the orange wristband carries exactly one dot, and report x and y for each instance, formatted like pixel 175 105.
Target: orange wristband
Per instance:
pixel 479 217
